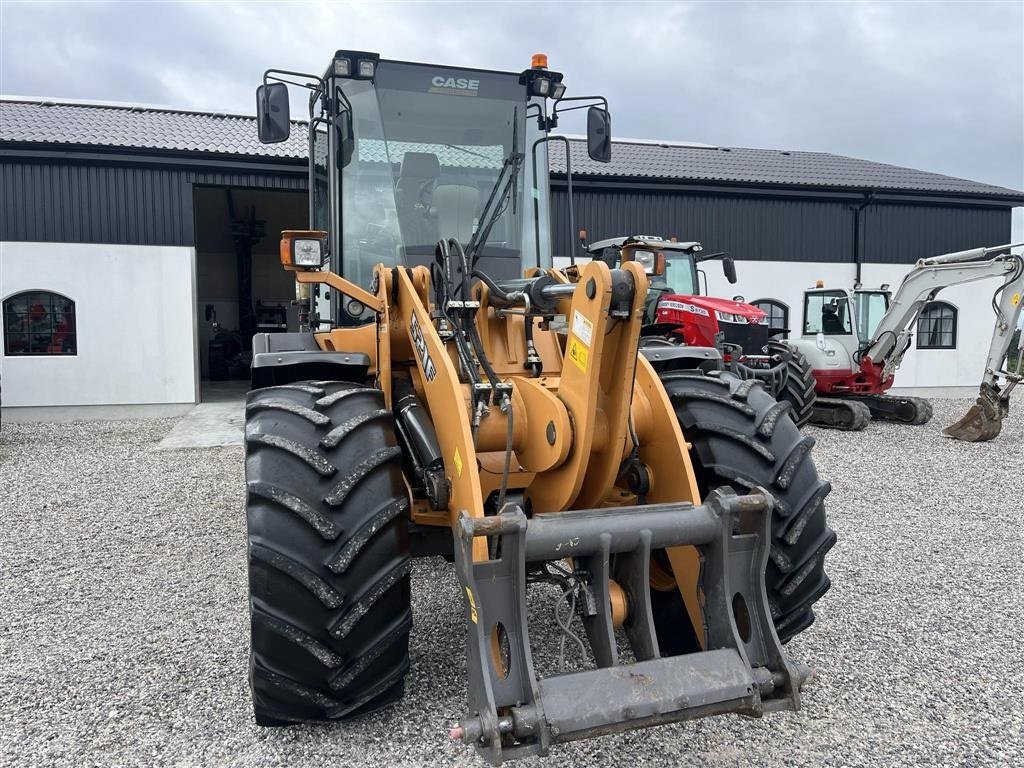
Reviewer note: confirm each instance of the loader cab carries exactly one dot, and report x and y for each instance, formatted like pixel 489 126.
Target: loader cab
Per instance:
pixel 405 154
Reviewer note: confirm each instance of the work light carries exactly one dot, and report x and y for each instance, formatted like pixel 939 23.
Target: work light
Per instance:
pixel 307 252
pixel 342 67
pixel 302 249
pixel 366 68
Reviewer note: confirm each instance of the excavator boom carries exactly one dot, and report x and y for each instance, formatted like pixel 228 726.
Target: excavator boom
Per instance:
pixel 984 420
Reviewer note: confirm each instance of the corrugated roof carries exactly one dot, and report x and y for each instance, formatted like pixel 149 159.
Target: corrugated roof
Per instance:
pixel 51 122
pixel 765 166
pixel 154 128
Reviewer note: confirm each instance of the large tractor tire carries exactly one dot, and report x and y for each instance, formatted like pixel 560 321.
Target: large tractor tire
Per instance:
pixel 799 388
pixel 742 438
pixel 329 564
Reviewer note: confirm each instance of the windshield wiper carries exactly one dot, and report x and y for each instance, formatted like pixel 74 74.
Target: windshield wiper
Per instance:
pixel 508 180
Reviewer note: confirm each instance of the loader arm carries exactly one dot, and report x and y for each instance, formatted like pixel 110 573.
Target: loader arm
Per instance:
pixel 921 285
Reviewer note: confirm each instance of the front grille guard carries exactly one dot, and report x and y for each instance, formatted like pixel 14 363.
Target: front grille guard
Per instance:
pixel 743 668
pixel 770 370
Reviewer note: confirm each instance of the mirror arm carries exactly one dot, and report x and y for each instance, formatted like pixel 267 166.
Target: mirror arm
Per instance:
pixel 710 256
pixel 274 74
pixel 568 181
pixel 593 101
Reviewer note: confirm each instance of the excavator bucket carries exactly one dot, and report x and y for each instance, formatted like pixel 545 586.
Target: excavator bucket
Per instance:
pixel 984 421
pixel 976 426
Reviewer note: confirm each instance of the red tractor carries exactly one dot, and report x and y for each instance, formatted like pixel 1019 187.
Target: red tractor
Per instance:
pixel 712 332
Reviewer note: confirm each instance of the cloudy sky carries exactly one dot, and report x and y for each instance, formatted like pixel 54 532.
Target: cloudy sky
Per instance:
pixel 936 86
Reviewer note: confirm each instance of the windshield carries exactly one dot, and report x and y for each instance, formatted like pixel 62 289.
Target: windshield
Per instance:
pixel 827 312
pixel 429 146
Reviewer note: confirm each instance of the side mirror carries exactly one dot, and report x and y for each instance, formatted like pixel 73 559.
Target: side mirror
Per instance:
pixel 272 118
pixel 346 139
pixel 729 268
pixel 599 135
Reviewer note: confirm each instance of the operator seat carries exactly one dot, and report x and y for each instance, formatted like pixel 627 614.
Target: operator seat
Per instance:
pixel 455 206
pixel 413 195
pixel 830 322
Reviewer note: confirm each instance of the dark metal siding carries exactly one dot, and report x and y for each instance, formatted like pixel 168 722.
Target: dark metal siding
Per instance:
pixel 113 203
pixel 57 200
pixel 777 228
pixel 902 234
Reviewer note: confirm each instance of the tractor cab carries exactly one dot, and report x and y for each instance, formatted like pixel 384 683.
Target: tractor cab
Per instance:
pixel 675 307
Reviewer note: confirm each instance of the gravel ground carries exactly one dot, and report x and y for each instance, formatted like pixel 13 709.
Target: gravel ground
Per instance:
pixel 123 620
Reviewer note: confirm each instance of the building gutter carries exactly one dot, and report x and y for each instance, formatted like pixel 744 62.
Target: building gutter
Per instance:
pixel 858 246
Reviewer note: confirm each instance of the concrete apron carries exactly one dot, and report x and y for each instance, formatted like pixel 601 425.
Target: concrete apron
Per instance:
pixel 207 425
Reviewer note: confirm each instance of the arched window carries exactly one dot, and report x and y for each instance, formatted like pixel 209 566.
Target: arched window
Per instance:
pixel 936 327
pixel 39 323
pixel 778 313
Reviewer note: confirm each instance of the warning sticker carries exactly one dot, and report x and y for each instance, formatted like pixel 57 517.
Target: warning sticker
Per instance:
pixel 458 462
pixel 578 353
pixel 583 328
pixel 472 605
pixel 1015 299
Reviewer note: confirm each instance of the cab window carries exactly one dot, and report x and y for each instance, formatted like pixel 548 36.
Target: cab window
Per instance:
pixel 827 312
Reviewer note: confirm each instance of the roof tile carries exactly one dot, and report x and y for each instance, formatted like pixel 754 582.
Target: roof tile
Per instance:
pixel 145 128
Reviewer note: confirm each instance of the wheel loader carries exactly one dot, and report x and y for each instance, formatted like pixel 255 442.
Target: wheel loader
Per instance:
pixel 451 393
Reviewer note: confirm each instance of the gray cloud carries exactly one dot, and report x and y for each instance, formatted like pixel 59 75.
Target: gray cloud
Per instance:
pixel 937 86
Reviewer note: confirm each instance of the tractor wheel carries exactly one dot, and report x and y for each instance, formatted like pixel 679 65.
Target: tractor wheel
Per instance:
pixel 329 594
pixel 799 388
pixel 742 438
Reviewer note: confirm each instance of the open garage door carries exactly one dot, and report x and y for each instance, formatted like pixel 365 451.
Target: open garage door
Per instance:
pixel 240 286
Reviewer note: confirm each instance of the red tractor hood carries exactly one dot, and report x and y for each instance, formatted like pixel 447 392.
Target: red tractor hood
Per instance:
pixel 710 303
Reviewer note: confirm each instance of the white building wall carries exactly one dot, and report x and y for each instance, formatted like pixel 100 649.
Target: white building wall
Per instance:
pixel 786 282
pixel 135 317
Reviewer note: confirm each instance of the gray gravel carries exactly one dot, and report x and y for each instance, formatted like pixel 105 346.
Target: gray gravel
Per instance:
pixel 123 626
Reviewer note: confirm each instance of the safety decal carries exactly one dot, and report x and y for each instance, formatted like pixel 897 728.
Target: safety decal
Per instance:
pixel 458 462
pixel 1015 299
pixel 583 328
pixel 578 353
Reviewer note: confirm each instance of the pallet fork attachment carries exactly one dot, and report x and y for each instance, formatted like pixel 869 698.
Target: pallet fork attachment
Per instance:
pixel 743 668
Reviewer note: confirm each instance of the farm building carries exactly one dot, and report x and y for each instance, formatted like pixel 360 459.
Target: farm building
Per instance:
pixel 128 232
